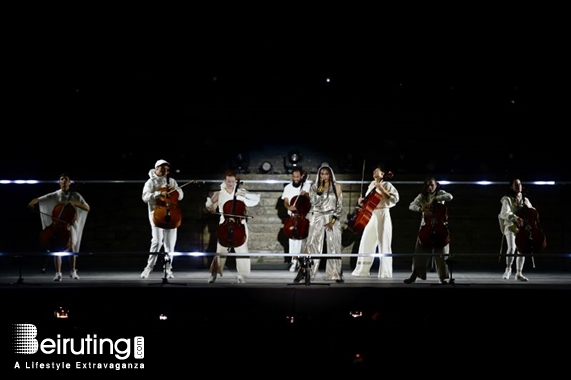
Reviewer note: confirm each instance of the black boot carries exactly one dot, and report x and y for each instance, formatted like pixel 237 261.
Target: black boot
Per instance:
pixel 340 280
pixel 299 276
pixel 410 280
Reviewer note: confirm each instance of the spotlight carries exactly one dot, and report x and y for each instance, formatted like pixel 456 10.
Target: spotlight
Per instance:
pixel 294 159
pixel 266 167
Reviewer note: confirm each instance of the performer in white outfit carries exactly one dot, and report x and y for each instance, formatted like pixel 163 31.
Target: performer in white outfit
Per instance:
pixel 512 202
pixel 157 186
pixel 378 233
pixel 68 198
pixel 326 208
pixel 297 189
pixel 431 193
pixel 227 193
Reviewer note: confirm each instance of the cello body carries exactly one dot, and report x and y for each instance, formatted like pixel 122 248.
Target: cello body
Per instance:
pixel 57 236
pixel 297 225
pixel 232 233
pixel 363 215
pixel 434 234
pixel 167 213
pixel 530 237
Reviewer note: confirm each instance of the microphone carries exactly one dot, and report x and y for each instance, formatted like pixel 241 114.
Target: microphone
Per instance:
pixel 321 188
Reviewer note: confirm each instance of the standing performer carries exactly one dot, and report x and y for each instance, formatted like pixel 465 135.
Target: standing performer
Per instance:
pixel 513 201
pixel 157 191
pixel 63 214
pixel 232 232
pixel 326 207
pixel 378 233
pixel 296 201
pixel 433 237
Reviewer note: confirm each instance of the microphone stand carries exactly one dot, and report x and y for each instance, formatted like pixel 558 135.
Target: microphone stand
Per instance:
pixel 305 265
pixel 165 281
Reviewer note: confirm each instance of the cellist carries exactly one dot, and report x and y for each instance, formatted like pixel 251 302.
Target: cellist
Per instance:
pixel 62 199
pixel 229 193
pixel 513 201
pixel 437 247
pixel 296 189
pixel 157 187
pixel 378 233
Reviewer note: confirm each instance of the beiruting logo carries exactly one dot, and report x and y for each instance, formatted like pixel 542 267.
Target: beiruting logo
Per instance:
pixel 25 342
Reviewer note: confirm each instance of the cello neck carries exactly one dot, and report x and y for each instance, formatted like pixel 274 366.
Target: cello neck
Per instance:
pixel 302 182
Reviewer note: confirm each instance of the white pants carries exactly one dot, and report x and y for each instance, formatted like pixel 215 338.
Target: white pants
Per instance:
pixel 160 237
pixel 295 246
pixel 377 235
pixel 243 264
pixel 512 250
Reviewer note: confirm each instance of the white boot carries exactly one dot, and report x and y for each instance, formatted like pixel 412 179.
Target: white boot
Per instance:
pixel 168 270
pixel 146 272
pixel 293 267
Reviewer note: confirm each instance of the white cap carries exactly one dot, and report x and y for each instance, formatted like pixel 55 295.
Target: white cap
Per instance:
pixel 161 163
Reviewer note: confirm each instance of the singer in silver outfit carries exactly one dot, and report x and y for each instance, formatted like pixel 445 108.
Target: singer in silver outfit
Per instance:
pixel 326 207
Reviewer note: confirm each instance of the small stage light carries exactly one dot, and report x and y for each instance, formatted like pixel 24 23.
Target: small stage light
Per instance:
pixel 266 167
pixel 294 159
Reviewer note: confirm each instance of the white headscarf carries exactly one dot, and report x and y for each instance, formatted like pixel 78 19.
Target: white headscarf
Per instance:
pixel 333 179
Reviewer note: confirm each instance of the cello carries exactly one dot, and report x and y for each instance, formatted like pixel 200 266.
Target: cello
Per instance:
pixel 297 225
pixel 529 237
pixel 167 213
pixel 363 213
pixel 57 236
pixel 232 233
pixel 434 234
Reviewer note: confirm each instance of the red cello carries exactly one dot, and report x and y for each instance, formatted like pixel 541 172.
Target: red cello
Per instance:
pixel 232 233
pixel 434 234
pixel 530 237
pixel 363 214
pixel 297 225
pixel 57 236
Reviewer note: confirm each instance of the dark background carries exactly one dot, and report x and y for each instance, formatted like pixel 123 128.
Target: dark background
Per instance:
pixel 97 94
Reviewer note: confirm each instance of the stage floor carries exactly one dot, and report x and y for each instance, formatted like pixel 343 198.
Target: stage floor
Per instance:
pixel 279 278
pixel 361 325
pixel 124 271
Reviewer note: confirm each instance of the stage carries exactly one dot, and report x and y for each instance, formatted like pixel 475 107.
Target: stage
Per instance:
pixel 357 325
